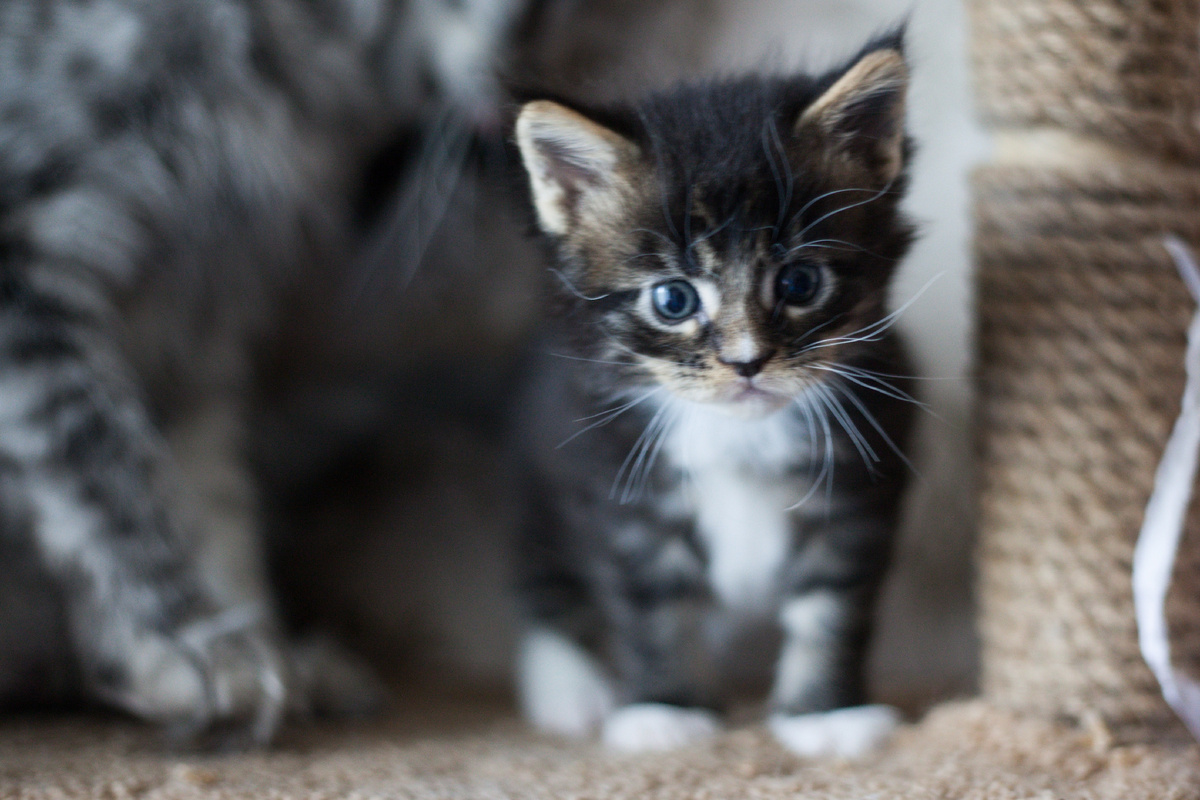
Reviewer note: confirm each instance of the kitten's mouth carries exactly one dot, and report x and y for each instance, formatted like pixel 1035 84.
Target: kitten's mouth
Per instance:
pixel 747 399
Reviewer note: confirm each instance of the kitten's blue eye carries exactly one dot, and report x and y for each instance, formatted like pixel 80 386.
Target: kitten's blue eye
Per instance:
pixel 675 300
pixel 798 284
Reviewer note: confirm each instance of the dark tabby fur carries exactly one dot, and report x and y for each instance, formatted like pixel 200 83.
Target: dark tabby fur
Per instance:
pixel 746 456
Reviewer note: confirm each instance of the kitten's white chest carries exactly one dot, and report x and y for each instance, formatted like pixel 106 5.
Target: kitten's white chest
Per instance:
pixel 737 487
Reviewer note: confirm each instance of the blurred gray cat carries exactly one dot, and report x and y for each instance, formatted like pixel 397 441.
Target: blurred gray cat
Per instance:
pixel 173 175
pixel 170 170
pixel 717 423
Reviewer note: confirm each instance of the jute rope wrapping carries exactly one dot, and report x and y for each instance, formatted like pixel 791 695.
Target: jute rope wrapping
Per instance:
pixel 1082 335
pixel 1126 71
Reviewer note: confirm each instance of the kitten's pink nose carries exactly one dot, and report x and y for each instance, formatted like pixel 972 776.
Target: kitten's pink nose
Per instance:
pixel 748 369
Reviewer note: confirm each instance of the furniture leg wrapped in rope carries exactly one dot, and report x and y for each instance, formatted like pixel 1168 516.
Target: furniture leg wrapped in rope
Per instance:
pixel 1082 328
pixel 1125 71
pixel 1082 323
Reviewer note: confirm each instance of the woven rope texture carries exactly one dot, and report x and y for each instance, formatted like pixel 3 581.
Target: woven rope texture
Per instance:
pixel 1126 71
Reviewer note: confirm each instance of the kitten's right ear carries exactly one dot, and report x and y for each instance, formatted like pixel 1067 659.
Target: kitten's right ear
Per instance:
pixel 861 115
pixel 574 164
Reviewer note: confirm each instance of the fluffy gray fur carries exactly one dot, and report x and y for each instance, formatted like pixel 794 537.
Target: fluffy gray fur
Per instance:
pixel 171 171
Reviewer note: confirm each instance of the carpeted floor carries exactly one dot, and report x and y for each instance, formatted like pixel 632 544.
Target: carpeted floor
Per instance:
pixel 449 748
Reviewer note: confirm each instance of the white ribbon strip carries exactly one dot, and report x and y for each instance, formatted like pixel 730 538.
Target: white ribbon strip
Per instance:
pixel 1166 513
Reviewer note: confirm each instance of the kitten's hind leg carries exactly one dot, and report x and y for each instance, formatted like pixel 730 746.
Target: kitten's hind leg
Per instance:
pixel 107 522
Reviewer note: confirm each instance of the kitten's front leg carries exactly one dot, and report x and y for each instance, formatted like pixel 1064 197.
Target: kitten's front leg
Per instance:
pixel 819 682
pixel 107 521
pixel 664 662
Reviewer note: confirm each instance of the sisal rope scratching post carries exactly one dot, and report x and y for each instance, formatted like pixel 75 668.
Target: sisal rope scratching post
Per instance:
pixel 1082 334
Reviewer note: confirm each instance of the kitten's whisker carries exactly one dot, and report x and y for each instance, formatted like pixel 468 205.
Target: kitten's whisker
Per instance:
pixel 874 384
pixel 826 244
pixel 826 473
pixel 827 467
pixel 658 234
pixel 874 331
pixel 664 431
pixel 830 456
pixel 638 449
pixel 572 288
pixel 419 209
pixel 636 256
pixel 621 407
pixel 870 418
pixel 606 417
pixel 713 232
pixel 593 360
pixel 877 374
pixel 687 219
pixel 865 451
pixel 829 214
pixel 619 345
pixel 784 179
pixel 821 197
pixel 665 200
pixel 810 421
pixel 811 331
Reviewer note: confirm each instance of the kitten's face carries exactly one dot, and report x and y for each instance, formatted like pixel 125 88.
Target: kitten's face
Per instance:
pixel 737 276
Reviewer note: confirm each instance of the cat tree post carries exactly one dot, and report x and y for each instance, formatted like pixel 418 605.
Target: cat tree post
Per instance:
pixel 1082 323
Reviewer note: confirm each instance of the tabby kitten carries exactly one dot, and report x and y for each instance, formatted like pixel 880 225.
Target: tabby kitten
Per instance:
pixel 717 424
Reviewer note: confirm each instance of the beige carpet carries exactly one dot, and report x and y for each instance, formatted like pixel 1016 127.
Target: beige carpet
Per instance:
pixel 444 747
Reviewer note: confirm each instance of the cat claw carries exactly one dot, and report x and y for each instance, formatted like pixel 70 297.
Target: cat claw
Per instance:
pixel 842 733
pixel 643 727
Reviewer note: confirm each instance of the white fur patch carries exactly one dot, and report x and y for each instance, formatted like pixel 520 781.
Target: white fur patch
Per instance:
pixel 844 733
pixel 561 688
pixel 741 505
pixel 655 726
pixel 808 617
pixel 745 529
pixel 708 438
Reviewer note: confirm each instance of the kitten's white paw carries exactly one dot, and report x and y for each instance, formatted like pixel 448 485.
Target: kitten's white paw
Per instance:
pixel 656 726
pixel 561 688
pixel 844 732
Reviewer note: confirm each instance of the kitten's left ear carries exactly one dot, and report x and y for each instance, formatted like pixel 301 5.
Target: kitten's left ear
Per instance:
pixel 862 114
pixel 576 166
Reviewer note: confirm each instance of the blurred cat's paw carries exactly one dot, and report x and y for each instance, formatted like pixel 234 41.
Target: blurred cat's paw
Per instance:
pixel 330 681
pixel 657 726
pixel 215 682
pixel 561 688
pixel 843 733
